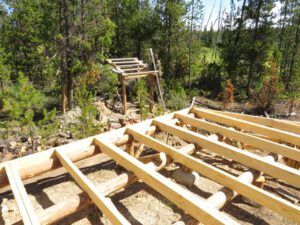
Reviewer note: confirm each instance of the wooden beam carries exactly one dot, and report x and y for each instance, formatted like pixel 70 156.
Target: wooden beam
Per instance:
pixel 264 198
pixel 277 170
pixel 124 95
pixel 133 65
pixel 183 198
pixel 257 142
pixel 120 63
pixel 81 200
pixel 121 59
pixel 25 208
pixel 140 73
pixel 248 126
pixel 289 126
pixel 104 204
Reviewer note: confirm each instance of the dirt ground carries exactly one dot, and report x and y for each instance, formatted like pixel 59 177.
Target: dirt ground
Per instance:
pixel 139 203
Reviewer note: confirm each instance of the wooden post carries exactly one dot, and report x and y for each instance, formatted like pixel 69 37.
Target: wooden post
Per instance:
pixel 124 95
pixel 152 89
pixel 63 99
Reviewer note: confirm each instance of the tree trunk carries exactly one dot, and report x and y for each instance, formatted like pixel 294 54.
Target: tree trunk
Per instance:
pixel 62 61
pixel 190 43
pixel 296 46
pixel 138 33
pixel 253 56
pixel 250 76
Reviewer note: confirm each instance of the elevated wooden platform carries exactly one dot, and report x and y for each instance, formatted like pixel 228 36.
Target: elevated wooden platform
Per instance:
pixel 236 134
pixel 132 68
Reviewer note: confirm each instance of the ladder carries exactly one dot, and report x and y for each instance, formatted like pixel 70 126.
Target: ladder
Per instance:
pixel 158 85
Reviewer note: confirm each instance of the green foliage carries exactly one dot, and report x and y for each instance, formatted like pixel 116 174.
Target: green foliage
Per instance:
pixel 268 91
pixel 48 125
pixel 86 123
pixel 142 97
pixel 107 83
pixel 176 97
pixel 5 71
pixel 211 79
pixel 22 104
pixel 21 100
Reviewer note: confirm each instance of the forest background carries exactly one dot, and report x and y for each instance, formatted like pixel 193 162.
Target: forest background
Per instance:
pixel 51 51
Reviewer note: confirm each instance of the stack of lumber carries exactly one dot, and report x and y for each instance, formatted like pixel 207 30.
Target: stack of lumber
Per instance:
pixel 276 137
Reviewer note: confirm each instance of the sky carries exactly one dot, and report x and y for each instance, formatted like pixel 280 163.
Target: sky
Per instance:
pixel 212 7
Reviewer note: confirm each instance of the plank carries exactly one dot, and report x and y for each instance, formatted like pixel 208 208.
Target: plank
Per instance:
pixel 286 125
pixel 140 73
pixel 257 142
pixel 277 170
pixel 183 198
pixel 248 126
pixel 122 59
pixel 104 204
pixel 133 65
pixel 119 63
pixel 24 205
pixel 264 198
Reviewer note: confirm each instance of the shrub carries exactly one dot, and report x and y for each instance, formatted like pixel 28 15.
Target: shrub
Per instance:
pixel 86 124
pixel 108 82
pixel 211 79
pixel 22 105
pixel 176 97
pixel 142 97
pixel 228 93
pixel 267 93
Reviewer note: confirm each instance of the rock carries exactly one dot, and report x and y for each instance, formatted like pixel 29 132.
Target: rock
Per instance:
pixel 187 179
pixel 12 145
pixel 4 209
pixel 21 150
pixel 29 140
pixel 39 148
pixel 63 135
pixel 23 139
pixel 2 148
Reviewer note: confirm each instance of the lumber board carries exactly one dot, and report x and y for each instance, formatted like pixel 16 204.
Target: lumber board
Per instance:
pixel 264 198
pixel 80 201
pixel 119 63
pixel 26 210
pixel 248 126
pixel 135 76
pixel 104 204
pixel 133 65
pixel 260 143
pixel 122 59
pixel 286 125
pixel 141 73
pixel 183 198
pixel 277 170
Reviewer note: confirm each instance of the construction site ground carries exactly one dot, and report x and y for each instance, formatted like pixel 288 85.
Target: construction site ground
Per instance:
pixel 139 203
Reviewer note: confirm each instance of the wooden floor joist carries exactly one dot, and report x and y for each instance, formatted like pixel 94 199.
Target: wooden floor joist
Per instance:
pixel 186 125
pixel 249 159
pixel 192 204
pixel 275 123
pixel 262 197
pixel 257 142
pixel 24 205
pixel 103 203
pixel 248 126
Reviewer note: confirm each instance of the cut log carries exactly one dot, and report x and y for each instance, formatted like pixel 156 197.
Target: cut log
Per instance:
pixel 78 202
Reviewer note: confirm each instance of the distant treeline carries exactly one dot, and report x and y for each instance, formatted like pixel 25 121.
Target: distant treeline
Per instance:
pixel 58 44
